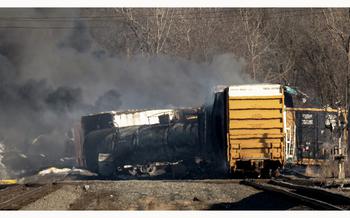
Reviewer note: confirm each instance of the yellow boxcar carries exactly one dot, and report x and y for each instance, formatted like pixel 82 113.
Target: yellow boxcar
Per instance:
pixel 255 127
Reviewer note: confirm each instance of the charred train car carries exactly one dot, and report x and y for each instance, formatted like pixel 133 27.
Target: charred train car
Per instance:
pixel 242 130
pixel 142 142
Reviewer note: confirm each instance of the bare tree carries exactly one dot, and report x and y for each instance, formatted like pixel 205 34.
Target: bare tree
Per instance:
pixel 338 26
pixel 151 27
pixel 259 41
pixel 308 48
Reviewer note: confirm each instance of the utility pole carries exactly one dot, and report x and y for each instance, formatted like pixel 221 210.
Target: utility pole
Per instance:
pixel 345 131
pixel 340 153
pixel 342 116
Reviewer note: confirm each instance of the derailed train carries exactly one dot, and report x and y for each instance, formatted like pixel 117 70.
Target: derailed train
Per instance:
pixel 246 129
pixel 144 142
pixel 154 138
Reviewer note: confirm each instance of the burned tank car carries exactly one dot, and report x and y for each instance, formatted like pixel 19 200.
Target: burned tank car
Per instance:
pixel 140 140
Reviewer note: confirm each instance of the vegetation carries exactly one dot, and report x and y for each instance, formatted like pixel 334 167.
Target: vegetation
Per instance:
pixel 306 48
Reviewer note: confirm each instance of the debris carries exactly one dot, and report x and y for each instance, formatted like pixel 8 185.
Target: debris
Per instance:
pixel 195 199
pixel 86 187
pixel 82 172
pixel 66 171
pixel 54 170
pixel 36 139
pixel 23 155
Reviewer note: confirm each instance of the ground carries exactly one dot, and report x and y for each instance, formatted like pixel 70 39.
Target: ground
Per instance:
pixel 159 195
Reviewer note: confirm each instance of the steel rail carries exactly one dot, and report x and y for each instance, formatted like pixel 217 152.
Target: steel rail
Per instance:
pixel 209 181
pixel 18 199
pixel 305 200
pixel 319 192
pixel 10 189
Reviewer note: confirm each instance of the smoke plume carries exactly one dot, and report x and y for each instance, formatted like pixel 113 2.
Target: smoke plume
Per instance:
pixel 50 77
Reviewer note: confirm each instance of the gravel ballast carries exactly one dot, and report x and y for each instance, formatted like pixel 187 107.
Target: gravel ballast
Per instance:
pixel 158 195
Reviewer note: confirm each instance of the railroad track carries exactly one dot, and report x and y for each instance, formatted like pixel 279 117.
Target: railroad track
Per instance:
pixel 17 196
pixel 209 181
pixel 316 198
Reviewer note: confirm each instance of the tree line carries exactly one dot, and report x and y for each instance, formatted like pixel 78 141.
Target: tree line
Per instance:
pixel 305 48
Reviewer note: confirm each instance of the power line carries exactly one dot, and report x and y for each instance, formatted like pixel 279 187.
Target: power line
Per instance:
pixel 48 27
pixel 205 18
pixel 112 16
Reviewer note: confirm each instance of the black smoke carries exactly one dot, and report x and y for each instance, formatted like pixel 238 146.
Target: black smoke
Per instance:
pixel 50 77
pixel 110 99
